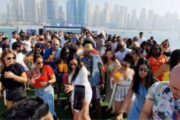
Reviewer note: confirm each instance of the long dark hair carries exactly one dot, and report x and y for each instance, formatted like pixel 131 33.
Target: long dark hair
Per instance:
pixel 78 67
pixel 174 58
pixel 105 59
pixel 137 79
pixel 64 53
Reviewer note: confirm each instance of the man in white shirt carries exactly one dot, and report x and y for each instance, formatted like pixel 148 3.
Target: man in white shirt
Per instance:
pixel 122 50
pixel 141 38
pixel 18 47
pixel 14 39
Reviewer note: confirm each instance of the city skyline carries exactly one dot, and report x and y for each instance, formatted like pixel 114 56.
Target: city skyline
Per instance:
pixel 98 13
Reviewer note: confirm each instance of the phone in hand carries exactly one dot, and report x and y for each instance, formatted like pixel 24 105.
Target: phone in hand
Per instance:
pixel 79 97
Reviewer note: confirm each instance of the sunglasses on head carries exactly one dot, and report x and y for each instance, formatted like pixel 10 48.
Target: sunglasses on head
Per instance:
pixel 11 58
pixel 144 69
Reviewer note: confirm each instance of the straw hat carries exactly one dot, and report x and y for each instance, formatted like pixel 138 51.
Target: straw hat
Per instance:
pixel 88 47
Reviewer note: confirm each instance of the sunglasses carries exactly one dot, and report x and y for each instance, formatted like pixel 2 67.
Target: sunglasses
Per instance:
pixel 124 64
pixel 144 69
pixel 39 63
pixel 55 44
pixel 11 58
pixel 73 64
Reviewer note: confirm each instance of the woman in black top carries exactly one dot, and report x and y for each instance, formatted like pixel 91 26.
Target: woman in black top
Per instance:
pixel 13 78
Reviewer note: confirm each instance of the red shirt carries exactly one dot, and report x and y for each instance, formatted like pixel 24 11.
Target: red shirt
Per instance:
pixel 45 77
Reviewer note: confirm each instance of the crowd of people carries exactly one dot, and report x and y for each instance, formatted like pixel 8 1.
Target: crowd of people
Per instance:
pixel 137 77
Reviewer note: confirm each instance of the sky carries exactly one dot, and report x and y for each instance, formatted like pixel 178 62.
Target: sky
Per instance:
pixel 158 6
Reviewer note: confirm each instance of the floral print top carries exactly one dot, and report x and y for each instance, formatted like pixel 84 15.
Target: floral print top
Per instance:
pixel 165 107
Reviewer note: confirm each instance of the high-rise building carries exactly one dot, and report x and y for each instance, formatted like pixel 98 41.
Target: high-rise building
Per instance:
pixel 106 16
pixel 8 18
pixel 42 12
pixel 89 14
pixel 133 19
pixel 17 11
pixel 76 12
pixel 142 19
pixel 97 17
pixel 30 11
pixel 51 11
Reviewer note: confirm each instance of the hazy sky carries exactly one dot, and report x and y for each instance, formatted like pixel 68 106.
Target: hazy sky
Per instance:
pixel 159 6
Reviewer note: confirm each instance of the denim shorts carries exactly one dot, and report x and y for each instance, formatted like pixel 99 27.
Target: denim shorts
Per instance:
pixel 47 94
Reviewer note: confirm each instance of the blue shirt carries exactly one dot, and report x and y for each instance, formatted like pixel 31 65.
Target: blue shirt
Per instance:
pixel 93 64
pixel 53 64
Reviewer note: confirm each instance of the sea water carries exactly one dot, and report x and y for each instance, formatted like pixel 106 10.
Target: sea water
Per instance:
pixel 159 36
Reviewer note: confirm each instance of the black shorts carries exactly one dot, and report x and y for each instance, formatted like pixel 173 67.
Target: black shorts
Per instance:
pixel 15 95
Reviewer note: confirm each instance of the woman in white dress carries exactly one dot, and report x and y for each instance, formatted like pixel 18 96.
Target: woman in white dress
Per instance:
pixel 78 75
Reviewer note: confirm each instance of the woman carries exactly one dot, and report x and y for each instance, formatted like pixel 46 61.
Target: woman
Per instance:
pixel 165 45
pixel 123 85
pixel 13 78
pixel 156 59
pixel 137 54
pixel 42 78
pixel 78 75
pixel 167 67
pixel 39 49
pixel 111 64
pixel 62 71
pixel 142 80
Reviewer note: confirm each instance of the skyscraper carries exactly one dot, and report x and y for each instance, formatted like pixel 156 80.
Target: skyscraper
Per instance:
pixel 51 11
pixel 30 11
pixel 76 12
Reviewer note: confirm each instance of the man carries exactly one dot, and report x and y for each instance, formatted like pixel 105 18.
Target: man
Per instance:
pixel 18 48
pixel 122 50
pixel 141 38
pixel 52 57
pixel 14 39
pixel 163 99
pixel 30 109
pixel 93 64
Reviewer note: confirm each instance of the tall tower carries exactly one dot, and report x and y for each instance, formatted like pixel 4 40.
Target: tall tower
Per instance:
pixel 51 11
pixel 76 12
pixel 30 11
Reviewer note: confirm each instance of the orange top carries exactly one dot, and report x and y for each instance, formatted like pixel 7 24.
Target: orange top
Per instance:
pixel 156 63
pixel 48 71
pixel 63 68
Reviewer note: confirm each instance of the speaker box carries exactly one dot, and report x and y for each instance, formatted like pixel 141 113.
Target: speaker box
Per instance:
pixel 41 31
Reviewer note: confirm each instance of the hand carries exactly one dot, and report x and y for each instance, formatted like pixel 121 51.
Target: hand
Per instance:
pixel 68 88
pixel 119 117
pixel 44 84
pixel 1 96
pixel 9 75
pixel 102 86
pixel 31 82
pixel 113 81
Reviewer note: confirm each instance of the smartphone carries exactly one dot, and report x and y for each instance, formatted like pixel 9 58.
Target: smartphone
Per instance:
pixel 79 97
